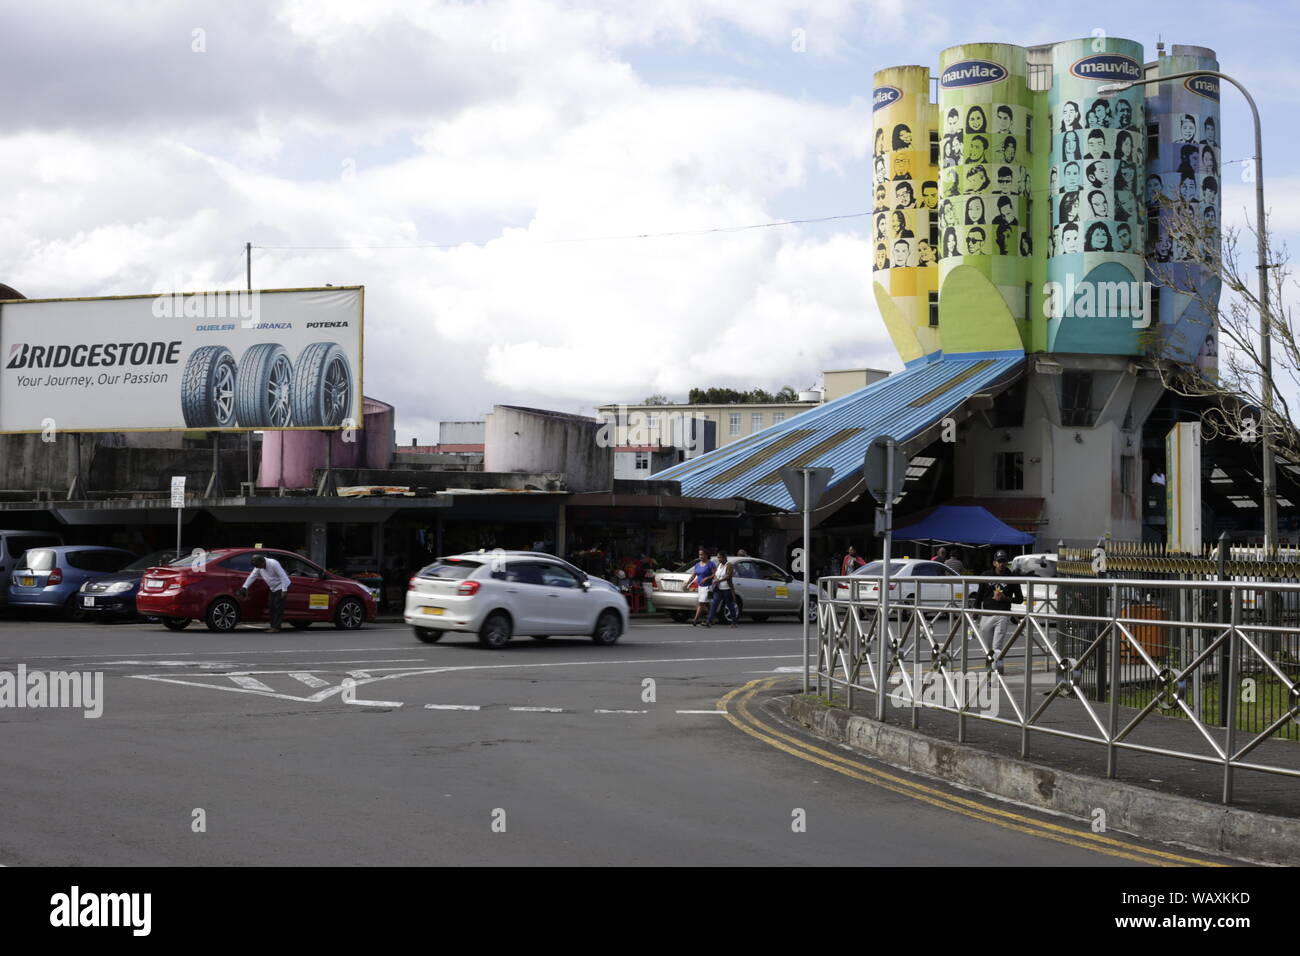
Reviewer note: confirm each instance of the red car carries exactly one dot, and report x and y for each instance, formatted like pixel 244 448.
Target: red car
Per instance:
pixel 203 588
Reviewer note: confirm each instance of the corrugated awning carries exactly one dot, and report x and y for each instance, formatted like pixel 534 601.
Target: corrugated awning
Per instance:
pixel 836 435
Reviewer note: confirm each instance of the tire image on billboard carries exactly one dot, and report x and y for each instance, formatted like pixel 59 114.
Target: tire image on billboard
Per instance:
pixel 322 386
pixel 263 386
pixel 208 388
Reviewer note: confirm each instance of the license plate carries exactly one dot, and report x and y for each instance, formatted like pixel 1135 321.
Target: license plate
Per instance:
pixel 27 582
pixel 672 585
pixel 431 610
pixel 88 602
pixel 153 582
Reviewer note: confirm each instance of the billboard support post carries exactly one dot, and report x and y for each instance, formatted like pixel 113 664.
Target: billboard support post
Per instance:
pixel 178 502
pixel 214 480
pixel 326 487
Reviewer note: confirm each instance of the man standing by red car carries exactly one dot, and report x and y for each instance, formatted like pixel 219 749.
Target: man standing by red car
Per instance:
pixel 272 572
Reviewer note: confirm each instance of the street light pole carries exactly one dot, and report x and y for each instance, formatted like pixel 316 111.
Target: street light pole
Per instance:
pixel 1265 321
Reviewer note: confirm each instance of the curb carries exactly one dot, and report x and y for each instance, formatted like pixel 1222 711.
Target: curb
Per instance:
pixel 1144 813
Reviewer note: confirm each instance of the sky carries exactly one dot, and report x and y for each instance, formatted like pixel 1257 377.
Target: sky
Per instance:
pixel 490 172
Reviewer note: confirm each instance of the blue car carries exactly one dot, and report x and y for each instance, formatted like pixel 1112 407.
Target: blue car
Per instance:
pixel 113 595
pixel 50 578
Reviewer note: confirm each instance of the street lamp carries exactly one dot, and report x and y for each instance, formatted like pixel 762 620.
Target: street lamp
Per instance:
pixel 1265 324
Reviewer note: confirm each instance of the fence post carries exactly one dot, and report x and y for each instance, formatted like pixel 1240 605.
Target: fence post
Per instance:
pixel 1113 725
pixel 1230 742
pixel 1099 570
pixel 1224 616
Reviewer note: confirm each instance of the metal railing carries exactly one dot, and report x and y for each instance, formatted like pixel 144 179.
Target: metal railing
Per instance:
pixel 1102 661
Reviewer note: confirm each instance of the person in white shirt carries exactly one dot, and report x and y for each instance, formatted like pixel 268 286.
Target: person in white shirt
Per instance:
pixel 724 591
pixel 277 581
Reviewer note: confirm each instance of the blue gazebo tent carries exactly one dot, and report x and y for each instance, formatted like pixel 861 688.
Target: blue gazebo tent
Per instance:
pixel 962 524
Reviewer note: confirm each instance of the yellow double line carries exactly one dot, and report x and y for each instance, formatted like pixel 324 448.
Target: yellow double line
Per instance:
pixel 736 705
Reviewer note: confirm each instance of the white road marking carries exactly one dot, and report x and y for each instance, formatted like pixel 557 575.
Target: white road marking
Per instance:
pixel 598 711
pixel 701 711
pixel 539 710
pixel 311 680
pixel 451 706
pixel 374 703
pixel 325 693
pixel 248 683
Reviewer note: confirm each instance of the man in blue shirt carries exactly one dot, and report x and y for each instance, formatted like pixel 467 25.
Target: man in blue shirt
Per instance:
pixel 702 577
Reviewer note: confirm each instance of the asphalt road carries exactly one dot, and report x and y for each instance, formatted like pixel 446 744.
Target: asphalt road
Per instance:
pixel 555 752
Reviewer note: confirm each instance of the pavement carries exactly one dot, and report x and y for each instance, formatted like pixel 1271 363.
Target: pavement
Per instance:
pixel 327 747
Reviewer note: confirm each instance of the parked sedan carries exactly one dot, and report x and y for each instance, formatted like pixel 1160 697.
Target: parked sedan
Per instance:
pixel 49 578
pixel 499 594
pixel 202 587
pixel 762 589
pixel 113 595
pixel 911 581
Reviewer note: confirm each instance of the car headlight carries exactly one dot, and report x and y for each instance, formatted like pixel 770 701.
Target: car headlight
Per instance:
pixel 117 587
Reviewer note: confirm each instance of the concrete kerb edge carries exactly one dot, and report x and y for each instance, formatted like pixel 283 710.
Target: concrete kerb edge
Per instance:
pixel 1147 814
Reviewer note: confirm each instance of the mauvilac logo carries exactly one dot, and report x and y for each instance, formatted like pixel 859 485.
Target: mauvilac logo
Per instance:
pixel 884 95
pixel 1207 86
pixel 1107 66
pixel 972 73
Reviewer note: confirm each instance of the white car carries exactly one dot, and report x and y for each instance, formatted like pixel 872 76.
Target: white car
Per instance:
pixel 911 581
pixel 1043 596
pixel 495 595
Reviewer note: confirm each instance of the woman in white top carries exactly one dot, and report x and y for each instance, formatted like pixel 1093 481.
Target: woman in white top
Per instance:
pixel 724 591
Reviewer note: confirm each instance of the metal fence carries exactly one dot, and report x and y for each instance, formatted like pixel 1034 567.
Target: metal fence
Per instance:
pixel 1201 670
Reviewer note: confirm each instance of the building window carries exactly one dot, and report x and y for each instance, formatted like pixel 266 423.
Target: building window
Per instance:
pixel 1011 471
pixel 778 418
pixel 755 421
pixel 934 147
pixel 652 420
pixel 733 423
pixel 1076 399
pixel 934 310
pixel 1153 142
pixel 643 461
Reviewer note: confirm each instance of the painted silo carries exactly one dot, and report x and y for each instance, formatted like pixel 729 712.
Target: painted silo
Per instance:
pixel 1098 218
pixel 904 208
pixel 1184 180
pixel 986 247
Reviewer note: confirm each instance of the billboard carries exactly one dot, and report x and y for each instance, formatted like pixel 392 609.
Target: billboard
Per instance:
pixel 274 359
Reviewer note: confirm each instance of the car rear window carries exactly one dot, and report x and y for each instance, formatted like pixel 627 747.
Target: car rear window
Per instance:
pixel 18 543
pixel 39 560
pixel 452 568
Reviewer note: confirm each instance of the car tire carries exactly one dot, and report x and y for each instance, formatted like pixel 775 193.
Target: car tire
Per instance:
pixel 321 394
pixel 208 388
pixel 812 611
pixel 609 628
pixel 72 609
pixel 740 609
pixel 350 615
pixel 496 630
pixel 427 634
pixel 176 623
pixel 223 616
pixel 680 616
pixel 263 387
pixel 300 625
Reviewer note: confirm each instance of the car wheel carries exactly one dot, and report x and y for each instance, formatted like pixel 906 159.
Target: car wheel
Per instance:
pixel 734 617
pixel 72 609
pixel 759 618
pixel 608 628
pixel 262 387
pixel 350 615
pixel 427 634
pixel 176 623
pixel 223 615
pixel 300 625
pixel 208 388
pixel 496 630
pixel 322 385
pixel 679 616
pixel 812 611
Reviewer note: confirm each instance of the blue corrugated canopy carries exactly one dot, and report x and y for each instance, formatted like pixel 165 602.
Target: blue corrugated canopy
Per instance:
pixel 836 435
pixel 962 524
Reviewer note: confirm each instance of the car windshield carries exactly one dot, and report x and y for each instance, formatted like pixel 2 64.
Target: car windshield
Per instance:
pixel 876 568
pixel 454 568
pixel 159 559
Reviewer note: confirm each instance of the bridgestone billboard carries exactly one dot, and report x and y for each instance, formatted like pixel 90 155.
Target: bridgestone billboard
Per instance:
pixel 276 359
